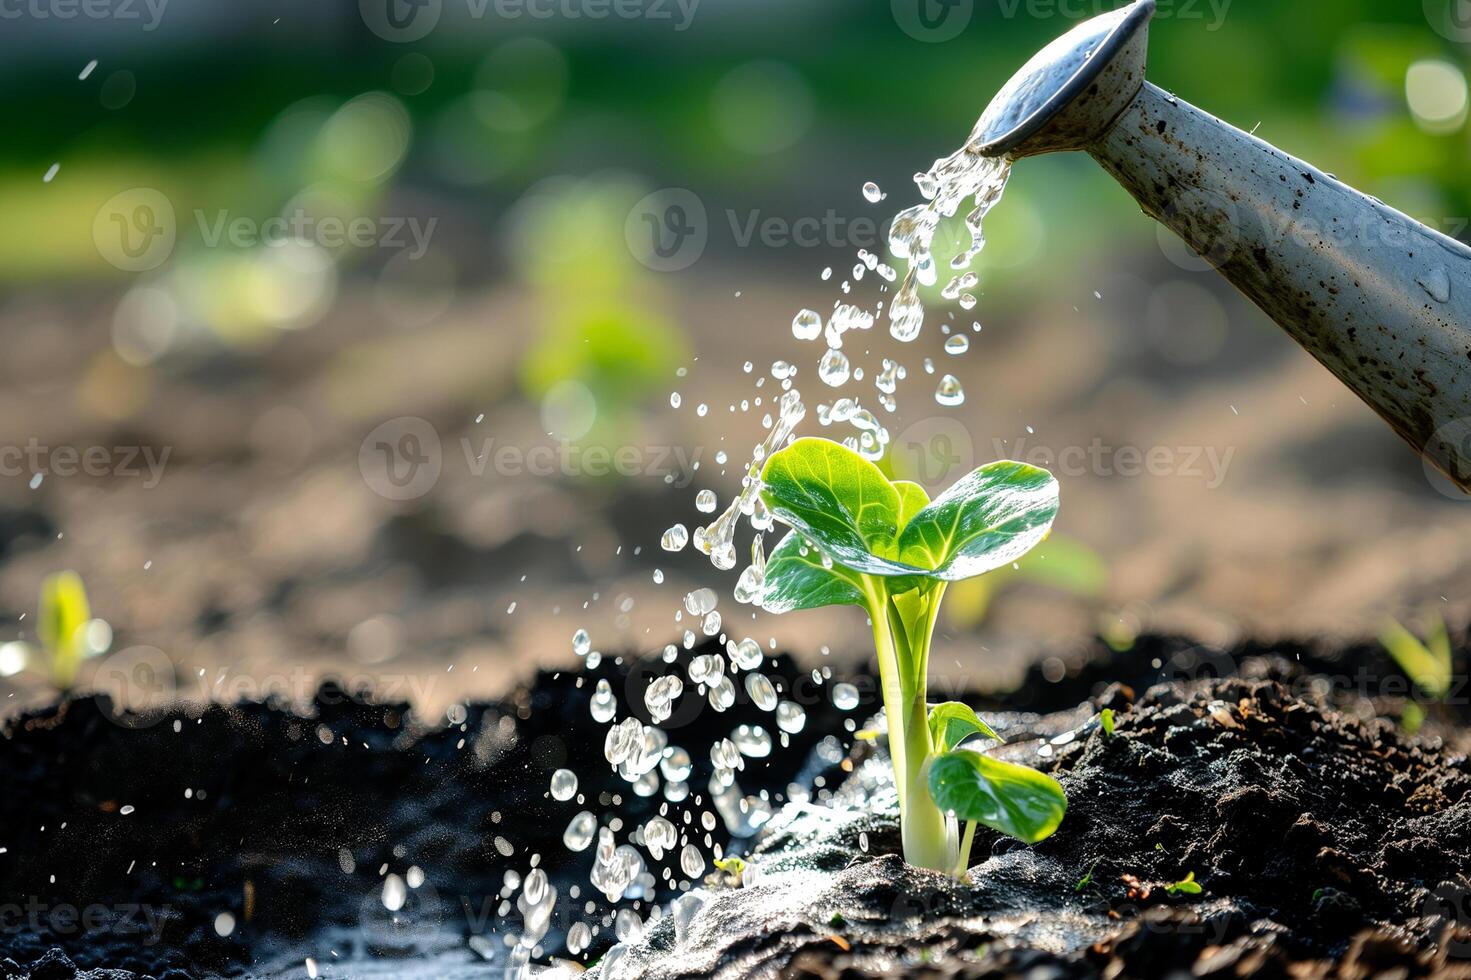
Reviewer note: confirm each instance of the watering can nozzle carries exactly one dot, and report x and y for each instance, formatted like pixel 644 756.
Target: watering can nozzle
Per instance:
pixel 1072 90
pixel 1378 298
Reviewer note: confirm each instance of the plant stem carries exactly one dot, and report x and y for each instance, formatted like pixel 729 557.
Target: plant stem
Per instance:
pixel 963 864
pixel 922 825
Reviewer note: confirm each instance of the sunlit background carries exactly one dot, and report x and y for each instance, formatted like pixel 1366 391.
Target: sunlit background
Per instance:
pixel 247 245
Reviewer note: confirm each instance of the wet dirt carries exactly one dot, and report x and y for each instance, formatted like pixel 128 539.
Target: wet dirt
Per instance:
pixel 1323 846
pixel 1326 841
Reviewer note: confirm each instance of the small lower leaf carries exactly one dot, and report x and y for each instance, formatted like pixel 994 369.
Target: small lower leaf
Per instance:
pixel 952 723
pixel 1015 800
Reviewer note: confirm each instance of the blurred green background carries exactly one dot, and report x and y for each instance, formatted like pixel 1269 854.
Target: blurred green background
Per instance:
pixel 495 158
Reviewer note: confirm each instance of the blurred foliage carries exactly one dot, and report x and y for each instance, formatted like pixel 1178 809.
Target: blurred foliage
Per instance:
pixel 600 334
pixel 492 106
pixel 1059 562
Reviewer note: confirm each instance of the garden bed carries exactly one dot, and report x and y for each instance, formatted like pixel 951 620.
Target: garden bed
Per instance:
pixel 1323 839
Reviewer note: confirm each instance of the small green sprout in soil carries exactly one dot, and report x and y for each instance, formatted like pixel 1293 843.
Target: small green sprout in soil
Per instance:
pixel 1185 886
pixel 1427 663
pixel 731 865
pixel 62 624
pixel 858 539
pixel 1087 879
pixel 1105 718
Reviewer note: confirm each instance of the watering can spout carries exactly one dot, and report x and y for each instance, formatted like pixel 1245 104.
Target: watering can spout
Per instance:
pixel 1381 300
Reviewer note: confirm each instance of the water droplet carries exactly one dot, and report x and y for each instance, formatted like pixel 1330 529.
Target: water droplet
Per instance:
pixel 1437 283
pixel 578 937
pixel 950 393
pixel 845 696
pixel 580 831
pixel 761 690
pixel 603 704
pixel 581 643
pixel 790 717
pixel 675 538
pixel 872 193
pixel 692 862
pixel 705 501
pixel 700 601
pixel 807 325
pixel 833 368
pixel 674 399
pixel 394 893
pixel 752 740
pixel 564 784
pixel 957 344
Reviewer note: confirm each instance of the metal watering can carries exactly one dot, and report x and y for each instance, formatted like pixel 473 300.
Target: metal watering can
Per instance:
pixel 1379 299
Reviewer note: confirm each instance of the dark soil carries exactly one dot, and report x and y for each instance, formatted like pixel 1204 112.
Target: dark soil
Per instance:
pixel 1321 844
pixel 275 798
pixel 1323 840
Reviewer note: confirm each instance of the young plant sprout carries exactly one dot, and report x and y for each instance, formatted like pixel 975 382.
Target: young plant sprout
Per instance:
pixel 61 625
pixel 858 539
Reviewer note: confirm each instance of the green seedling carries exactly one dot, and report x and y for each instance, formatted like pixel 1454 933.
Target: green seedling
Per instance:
pixel 858 539
pixel 61 625
pixel 1105 718
pixel 1185 886
pixel 1428 663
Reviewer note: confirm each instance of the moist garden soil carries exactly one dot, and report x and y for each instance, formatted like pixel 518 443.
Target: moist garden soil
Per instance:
pixel 1325 840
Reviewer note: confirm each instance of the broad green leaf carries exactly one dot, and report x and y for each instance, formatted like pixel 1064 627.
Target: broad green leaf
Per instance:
pixel 952 723
pixel 796 579
pixel 990 517
pixel 838 500
pixel 63 614
pixel 912 500
pixel 1017 801
pixel 1430 668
